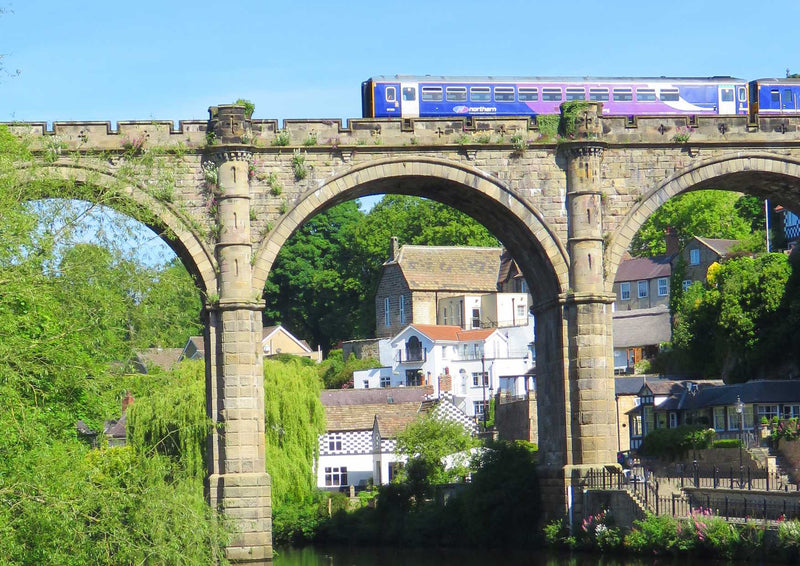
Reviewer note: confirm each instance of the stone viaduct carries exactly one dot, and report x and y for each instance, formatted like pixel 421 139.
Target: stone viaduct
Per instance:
pixel 226 194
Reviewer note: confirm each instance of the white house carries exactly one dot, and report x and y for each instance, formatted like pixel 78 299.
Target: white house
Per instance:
pixel 469 365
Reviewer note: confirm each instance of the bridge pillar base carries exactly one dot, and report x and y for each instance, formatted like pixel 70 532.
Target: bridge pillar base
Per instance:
pixel 245 499
pixel 563 491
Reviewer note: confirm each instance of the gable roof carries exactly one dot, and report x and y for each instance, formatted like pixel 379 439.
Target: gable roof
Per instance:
pixel 719 246
pixel 449 268
pixel 269 331
pixel 340 418
pixel 641 327
pixel 508 268
pixel 383 395
pixel 639 268
pixel 440 332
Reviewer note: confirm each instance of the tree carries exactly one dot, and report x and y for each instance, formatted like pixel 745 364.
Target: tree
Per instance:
pixel 709 213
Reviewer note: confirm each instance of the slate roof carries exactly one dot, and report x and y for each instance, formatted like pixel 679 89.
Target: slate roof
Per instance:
pixel 375 396
pixel 453 333
pixel 641 327
pixel 449 268
pixel 362 417
pixel 757 391
pixel 630 385
pixel 720 246
pixel 641 268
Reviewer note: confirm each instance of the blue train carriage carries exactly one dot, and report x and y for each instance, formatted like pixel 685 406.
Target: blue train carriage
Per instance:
pixel 415 96
pixel 775 96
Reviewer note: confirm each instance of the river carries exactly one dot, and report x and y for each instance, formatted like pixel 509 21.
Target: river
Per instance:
pixel 360 556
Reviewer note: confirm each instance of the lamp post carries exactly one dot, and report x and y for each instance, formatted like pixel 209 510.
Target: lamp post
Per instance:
pixel 483 382
pixel 740 412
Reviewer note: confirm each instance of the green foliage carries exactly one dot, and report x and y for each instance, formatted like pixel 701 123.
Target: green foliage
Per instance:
pixel 569 115
pixel 726 443
pixel 789 539
pixel 281 138
pixel 786 429
pixel 249 107
pixel 335 372
pixel 675 442
pixel 708 213
pixel 299 165
pixel 548 126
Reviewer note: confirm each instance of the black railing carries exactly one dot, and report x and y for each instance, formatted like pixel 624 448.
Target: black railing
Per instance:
pixel 403 356
pixel 731 477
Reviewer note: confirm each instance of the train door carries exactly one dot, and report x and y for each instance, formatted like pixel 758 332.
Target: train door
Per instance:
pixel 727 100
pixel 410 100
pixel 787 99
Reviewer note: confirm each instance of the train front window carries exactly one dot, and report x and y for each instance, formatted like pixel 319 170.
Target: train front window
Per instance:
pixel 576 94
pixel 598 94
pixel 456 93
pixel 623 95
pixel 551 94
pixel 480 94
pixel 391 94
pixel 431 94
pixel 527 94
pixel 409 93
pixel 504 94
pixel 670 95
pixel 645 95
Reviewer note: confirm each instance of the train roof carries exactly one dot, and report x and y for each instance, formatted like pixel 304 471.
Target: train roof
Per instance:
pixel 520 79
pixel 782 81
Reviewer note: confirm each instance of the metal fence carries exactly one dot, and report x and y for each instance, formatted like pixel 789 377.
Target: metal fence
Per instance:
pixel 731 477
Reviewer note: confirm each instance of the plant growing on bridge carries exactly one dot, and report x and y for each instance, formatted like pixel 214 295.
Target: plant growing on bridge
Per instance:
pixel 275 188
pixel 519 141
pixel 570 111
pixel 682 134
pixel 281 138
pixel 299 165
pixel 311 140
pixel 210 175
pixel 249 107
pixel 133 145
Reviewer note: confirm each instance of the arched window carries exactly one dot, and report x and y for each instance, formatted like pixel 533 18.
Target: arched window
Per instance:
pixel 413 349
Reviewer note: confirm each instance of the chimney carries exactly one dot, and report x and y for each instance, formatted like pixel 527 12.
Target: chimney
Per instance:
pixel 127 401
pixel 671 241
pixel 394 248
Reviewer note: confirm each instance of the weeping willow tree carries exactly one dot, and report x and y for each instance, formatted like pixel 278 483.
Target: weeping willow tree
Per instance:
pixel 294 421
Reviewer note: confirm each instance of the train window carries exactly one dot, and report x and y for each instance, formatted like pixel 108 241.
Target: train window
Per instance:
pixel 645 94
pixel 527 94
pixel 598 94
pixel 504 94
pixel 670 94
pixel 623 95
pixel 726 94
pixel 775 99
pixel 409 93
pixel 431 94
pixel 391 94
pixel 480 94
pixel 742 94
pixel 456 93
pixel 576 94
pixel 788 101
pixel 551 94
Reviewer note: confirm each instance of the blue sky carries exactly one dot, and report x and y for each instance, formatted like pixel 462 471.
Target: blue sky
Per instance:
pixel 93 60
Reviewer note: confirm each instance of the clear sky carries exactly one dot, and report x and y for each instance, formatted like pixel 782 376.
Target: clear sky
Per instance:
pixel 171 60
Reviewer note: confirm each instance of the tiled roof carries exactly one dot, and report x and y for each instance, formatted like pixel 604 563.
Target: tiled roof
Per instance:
pixel 640 268
pixel 362 417
pixel 449 268
pixel 375 396
pixel 720 246
pixel 641 327
pixel 390 425
pixel 453 333
pixel 508 268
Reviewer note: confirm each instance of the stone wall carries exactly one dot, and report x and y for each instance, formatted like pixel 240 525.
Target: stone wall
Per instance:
pixel 517 419
pixel 361 349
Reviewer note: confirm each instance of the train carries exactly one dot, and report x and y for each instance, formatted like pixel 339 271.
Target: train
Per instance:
pixel 409 96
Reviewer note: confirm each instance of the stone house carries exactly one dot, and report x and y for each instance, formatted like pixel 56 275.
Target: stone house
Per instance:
pixel 275 340
pixel 698 255
pixel 643 283
pixel 359 445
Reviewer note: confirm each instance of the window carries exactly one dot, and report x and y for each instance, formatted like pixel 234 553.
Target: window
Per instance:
pixel 527 94
pixel 391 94
pixel 775 99
pixel 504 94
pixel 624 291
pixel 479 406
pixel 413 377
pixel 402 309
pixel 386 381
pixel 414 350
pixel 598 94
pixel 734 418
pixel 576 93
pixel 791 411
pixel 686 284
pixel 641 289
pixel 767 411
pixel 445 320
pixel 431 94
pixel 480 94
pixel 694 257
pixel 622 95
pixel 387 320
pixel 670 95
pixel 742 96
pixel 409 93
pixel 551 94
pixel 662 287
pixel 476 379
pixel 335 442
pixel 673 420
pixel 476 318
pixel 636 425
pixel 365 383
pixel 520 311
pixel 645 94
pixel 456 93
pixel 335 477
pixel 719 418
pixel 726 94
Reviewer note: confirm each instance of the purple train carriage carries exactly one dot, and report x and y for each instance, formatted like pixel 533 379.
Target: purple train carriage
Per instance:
pixel 428 96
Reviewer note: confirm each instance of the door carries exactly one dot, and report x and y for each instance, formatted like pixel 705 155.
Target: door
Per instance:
pixel 410 100
pixel 727 100
pixel 787 100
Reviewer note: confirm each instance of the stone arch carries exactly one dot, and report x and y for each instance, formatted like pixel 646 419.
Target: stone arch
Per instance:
pixel 186 243
pixel 768 175
pixel 522 229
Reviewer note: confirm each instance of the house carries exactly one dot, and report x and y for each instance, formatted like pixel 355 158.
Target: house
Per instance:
pixel 358 447
pixel 643 283
pixel 470 365
pixel 698 255
pixel 415 278
pixel 791 226
pixel 638 335
pixel 275 340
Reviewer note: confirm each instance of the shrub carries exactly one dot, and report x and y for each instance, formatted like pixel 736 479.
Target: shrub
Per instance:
pixel 675 442
pixel 726 443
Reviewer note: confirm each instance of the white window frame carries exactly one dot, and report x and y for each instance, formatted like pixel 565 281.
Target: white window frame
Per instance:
pixel 479 407
pixel 625 291
pixel 642 289
pixel 768 411
pixel 734 418
pixel 335 476
pixel 476 378
pixel 387 317
pixel 719 418
pixel 673 420
pixel 694 256
pixel 686 284
pixel 335 442
pixel 663 287
pixel 386 381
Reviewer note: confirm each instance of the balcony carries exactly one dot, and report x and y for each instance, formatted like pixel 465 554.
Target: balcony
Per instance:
pixel 411 356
